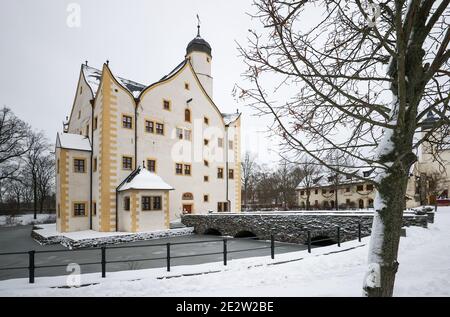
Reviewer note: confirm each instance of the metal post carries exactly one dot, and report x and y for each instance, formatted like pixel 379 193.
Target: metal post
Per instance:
pixel 225 251
pixel 359 232
pixel 339 236
pixel 309 241
pixel 168 257
pixel 31 266
pixel 272 247
pixel 103 262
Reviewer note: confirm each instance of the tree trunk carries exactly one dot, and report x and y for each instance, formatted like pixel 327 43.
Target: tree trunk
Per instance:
pixel 34 197
pixel 308 203
pixel 385 236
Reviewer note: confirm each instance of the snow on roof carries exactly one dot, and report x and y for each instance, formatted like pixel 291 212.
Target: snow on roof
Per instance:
pixel 94 75
pixel 326 180
pixel 173 71
pixel 230 117
pixel 144 179
pixel 73 141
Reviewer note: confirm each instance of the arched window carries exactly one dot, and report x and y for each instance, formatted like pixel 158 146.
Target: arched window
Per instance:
pixel 361 204
pixel 187 115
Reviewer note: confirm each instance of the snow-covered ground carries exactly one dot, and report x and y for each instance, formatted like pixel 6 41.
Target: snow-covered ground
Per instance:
pixel 26 219
pixel 424 271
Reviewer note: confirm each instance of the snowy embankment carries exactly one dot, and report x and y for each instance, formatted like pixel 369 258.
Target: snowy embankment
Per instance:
pixel 47 234
pixel 424 271
pixel 26 219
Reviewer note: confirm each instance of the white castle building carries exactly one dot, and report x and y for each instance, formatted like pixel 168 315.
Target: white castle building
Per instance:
pixel 134 157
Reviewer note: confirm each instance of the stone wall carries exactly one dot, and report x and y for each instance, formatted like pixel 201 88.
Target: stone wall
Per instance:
pixel 291 227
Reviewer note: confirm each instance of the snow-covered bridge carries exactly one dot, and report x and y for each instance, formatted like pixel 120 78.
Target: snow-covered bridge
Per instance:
pixel 291 226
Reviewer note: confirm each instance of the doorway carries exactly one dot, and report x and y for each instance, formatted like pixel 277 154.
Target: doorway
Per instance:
pixel 187 208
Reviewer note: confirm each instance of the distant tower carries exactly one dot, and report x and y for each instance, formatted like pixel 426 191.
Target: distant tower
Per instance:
pixel 199 52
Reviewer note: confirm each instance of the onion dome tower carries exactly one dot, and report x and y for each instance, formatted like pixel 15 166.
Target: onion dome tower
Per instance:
pixel 198 51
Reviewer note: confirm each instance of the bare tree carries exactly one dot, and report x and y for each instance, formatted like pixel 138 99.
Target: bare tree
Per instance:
pixel 360 81
pixel 37 150
pixel 248 165
pixel 309 173
pixel 286 181
pixel 14 134
pixel 45 176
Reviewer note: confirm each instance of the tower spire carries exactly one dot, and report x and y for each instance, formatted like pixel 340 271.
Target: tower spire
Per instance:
pixel 198 26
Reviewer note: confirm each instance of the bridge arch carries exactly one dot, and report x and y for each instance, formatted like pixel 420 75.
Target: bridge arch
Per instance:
pixel 212 232
pixel 322 240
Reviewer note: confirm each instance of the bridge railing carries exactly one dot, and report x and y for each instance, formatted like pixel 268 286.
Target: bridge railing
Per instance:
pixel 103 260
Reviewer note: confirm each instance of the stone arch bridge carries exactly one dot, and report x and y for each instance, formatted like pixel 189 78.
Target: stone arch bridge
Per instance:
pixel 290 226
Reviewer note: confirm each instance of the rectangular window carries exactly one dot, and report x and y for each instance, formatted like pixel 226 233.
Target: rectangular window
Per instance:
pixel 206 178
pixel 205 141
pixel 95 123
pixel 369 187
pixel 166 104
pixel 324 191
pixel 220 142
pixel 87 130
pixel 316 191
pixel 179 169
pixel 149 126
pixel 59 211
pixel 79 165
pixel 332 191
pixel 151 165
pixel 360 188
pixel 347 201
pixel 220 172
pixel 302 192
pixel 180 133
pixel 230 145
pixel 127 163
pixel 79 209
pixel 160 128
pixel 347 189
pixel 222 206
pixel 231 173
pixel 205 162
pixel 57 167
pixel 127 122
pixel 94 207
pixel 187 135
pixel 186 86
pixel 205 198
pixel 146 203
pixel 79 114
pixel 206 120
pixel 95 164
pixel 156 203
pixel 126 203
pixel 187 169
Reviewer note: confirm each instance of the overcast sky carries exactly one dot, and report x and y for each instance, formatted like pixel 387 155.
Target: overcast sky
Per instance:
pixel 41 53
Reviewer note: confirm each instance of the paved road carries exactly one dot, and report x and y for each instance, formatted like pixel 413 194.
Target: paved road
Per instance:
pixel 16 239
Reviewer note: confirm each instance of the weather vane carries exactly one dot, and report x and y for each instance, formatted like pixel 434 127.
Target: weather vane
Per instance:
pixel 198 25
